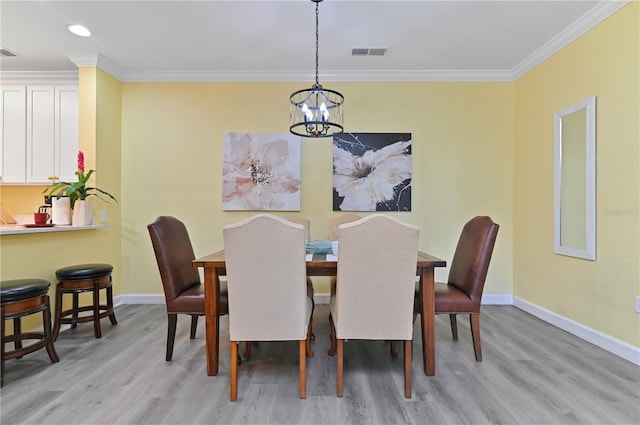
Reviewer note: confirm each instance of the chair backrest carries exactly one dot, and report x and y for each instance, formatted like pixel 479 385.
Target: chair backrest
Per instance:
pixel 473 254
pixel 300 220
pixel 266 279
pixel 174 254
pixel 341 219
pixel 376 278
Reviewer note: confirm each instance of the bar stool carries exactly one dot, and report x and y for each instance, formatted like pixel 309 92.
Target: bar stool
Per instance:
pixel 84 278
pixel 19 298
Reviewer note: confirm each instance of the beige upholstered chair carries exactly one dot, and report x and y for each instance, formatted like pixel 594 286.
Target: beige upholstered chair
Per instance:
pixel 266 275
pixel 334 222
pixel 310 291
pixel 375 286
pixel 300 220
pixel 333 236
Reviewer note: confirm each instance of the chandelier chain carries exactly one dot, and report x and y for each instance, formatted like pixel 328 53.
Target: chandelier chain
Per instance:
pixel 317 44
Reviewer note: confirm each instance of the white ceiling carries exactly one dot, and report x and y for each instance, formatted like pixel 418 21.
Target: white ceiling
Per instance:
pixel 275 40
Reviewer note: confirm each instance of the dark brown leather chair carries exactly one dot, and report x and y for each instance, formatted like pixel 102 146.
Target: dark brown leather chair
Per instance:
pixel 463 291
pixel 183 290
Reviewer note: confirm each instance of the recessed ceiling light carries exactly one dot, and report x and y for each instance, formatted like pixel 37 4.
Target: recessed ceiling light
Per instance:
pixel 79 30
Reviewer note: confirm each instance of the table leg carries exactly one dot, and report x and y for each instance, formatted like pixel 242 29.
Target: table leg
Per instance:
pixel 428 317
pixel 211 299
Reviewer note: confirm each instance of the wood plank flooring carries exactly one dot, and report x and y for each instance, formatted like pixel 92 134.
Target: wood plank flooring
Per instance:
pixel 532 373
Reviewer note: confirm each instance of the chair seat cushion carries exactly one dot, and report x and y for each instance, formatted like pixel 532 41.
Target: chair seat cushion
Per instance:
pixel 83 271
pixel 22 289
pixel 449 299
pixel 191 301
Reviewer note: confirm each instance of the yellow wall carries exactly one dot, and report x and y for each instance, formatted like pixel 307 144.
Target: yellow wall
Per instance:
pixel 39 255
pixel 172 161
pixel 599 294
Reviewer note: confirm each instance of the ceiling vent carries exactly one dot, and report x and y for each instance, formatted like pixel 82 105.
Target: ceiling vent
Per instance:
pixel 378 51
pixel 6 53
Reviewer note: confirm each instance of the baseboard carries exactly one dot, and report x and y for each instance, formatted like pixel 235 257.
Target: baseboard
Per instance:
pixel 613 345
pixel 606 342
pixel 497 300
pixel 139 299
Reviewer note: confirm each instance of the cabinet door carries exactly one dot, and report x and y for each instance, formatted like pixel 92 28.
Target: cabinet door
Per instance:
pixel 13 133
pixel 66 157
pixel 40 134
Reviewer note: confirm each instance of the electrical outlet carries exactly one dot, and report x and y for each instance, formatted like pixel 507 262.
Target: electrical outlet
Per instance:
pixel 637 304
pixel 103 216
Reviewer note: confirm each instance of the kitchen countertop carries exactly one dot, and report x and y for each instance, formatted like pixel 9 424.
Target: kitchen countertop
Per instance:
pixel 18 229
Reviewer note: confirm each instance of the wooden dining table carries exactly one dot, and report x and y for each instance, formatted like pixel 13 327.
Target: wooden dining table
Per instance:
pixel 214 267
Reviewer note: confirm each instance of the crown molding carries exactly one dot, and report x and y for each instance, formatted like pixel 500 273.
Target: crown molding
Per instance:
pixel 593 17
pixel 331 76
pixel 96 60
pixel 39 77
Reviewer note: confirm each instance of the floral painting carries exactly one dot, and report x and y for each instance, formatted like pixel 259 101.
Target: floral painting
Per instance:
pixel 261 171
pixel 372 172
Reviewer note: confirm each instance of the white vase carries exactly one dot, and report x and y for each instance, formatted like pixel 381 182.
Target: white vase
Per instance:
pixel 82 213
pixel 60 211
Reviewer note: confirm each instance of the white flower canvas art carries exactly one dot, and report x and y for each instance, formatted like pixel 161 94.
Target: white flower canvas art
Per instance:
pixel 261 171
pixel 372 172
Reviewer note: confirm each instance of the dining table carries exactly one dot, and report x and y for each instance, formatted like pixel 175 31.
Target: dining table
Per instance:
pixel 214 267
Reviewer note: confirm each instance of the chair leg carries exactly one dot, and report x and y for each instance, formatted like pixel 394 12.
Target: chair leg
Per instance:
pixel 74 323
pixel 394 350
pixel 57 315
pixel 172 320
pixel 475 334
pixel 308 351
pixel 313 309
pixel 454 326
pixel 302 349
pixel 247 350
pixel 17 330
pixel 340 348
pixel 408 354
pixel 46 321
pixel 1 344
pixel 96 309
pixel 194 326
pixel 332 337
pixel 112 316
pixel 233 382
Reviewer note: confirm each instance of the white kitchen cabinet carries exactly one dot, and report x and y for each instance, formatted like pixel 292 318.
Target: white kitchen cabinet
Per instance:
pixel 48 141
pixel 13 134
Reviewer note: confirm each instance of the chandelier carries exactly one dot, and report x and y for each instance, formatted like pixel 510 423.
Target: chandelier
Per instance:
pixel 316 112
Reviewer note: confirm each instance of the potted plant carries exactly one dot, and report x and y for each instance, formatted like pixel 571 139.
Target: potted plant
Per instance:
pixel 77 193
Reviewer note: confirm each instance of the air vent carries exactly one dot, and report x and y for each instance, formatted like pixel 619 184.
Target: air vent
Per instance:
pixel 377 51
pixel 6 53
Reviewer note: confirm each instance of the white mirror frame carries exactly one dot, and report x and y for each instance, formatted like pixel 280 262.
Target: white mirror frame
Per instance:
pixel 588 251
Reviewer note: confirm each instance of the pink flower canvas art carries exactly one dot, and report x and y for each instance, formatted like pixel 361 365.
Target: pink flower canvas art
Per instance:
pixel 261 171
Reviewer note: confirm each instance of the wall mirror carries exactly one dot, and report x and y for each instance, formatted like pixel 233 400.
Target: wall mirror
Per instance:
pixel 575 177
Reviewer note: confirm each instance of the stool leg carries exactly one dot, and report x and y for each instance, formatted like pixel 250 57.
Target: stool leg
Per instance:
pixel 46 321
pixel 96 309
pixel 112 316
pixel 58 314
pixel 1 344
pixel 74 316
pixel 17 330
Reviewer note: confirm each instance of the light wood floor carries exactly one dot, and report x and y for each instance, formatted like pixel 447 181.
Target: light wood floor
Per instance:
pixel 532 373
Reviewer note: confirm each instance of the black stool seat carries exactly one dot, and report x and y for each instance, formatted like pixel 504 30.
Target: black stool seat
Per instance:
pixel 84 278
pixel 84 271
pixel 20 298
pixel 21 289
